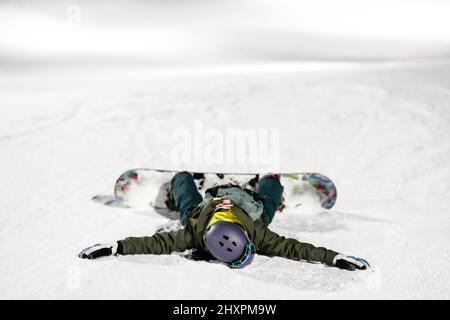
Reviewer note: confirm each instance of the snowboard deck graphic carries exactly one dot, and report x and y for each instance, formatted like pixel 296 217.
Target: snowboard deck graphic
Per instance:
pixel 143 188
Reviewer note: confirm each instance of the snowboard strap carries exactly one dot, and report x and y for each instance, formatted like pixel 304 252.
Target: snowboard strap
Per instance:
pixel 214 190
pixel 250 202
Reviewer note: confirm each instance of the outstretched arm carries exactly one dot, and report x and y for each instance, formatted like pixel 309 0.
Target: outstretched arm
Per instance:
pixel 270 243
pixel 159 243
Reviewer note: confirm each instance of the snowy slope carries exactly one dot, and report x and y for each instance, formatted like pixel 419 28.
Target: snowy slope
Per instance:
pixel 381 133
pixel 379 129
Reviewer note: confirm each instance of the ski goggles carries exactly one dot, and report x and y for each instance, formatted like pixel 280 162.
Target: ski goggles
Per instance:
pixel 246 258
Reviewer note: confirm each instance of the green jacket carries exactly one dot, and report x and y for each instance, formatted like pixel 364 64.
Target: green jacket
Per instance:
pixel 266 241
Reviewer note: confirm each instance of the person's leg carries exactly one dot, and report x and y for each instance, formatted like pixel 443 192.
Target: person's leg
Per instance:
pixel 185 194
pixel 271 192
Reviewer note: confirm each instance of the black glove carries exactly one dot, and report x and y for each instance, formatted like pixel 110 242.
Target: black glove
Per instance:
pixel 99 250
pixel 350 263
pixel 199 255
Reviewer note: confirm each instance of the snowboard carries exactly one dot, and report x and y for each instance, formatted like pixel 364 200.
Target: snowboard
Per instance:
pixel 143 188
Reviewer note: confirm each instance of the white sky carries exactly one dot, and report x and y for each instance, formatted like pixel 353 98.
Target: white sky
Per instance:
pixel 193 28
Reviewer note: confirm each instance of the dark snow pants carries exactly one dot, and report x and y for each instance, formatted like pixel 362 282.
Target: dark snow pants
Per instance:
pixel 186 196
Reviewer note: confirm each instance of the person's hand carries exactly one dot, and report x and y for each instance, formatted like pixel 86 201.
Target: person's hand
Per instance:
pixel 99 250
pixel 351 263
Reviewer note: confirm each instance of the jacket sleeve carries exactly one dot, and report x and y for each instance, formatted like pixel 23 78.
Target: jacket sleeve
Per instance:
pixel 270 243
pixel 159 243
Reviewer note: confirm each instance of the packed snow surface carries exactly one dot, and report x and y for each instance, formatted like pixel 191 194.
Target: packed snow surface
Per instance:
pixel 379 128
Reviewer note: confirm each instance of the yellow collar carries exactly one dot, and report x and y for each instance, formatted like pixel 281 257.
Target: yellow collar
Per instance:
pixel 225 215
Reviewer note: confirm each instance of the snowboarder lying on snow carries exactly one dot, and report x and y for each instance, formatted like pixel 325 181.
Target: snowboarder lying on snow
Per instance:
pixel 229 225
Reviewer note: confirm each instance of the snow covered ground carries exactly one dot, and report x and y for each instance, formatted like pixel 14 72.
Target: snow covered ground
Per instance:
pixel 376 121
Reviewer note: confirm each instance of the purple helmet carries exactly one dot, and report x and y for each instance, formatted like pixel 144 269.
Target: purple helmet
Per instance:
pixel 229 243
